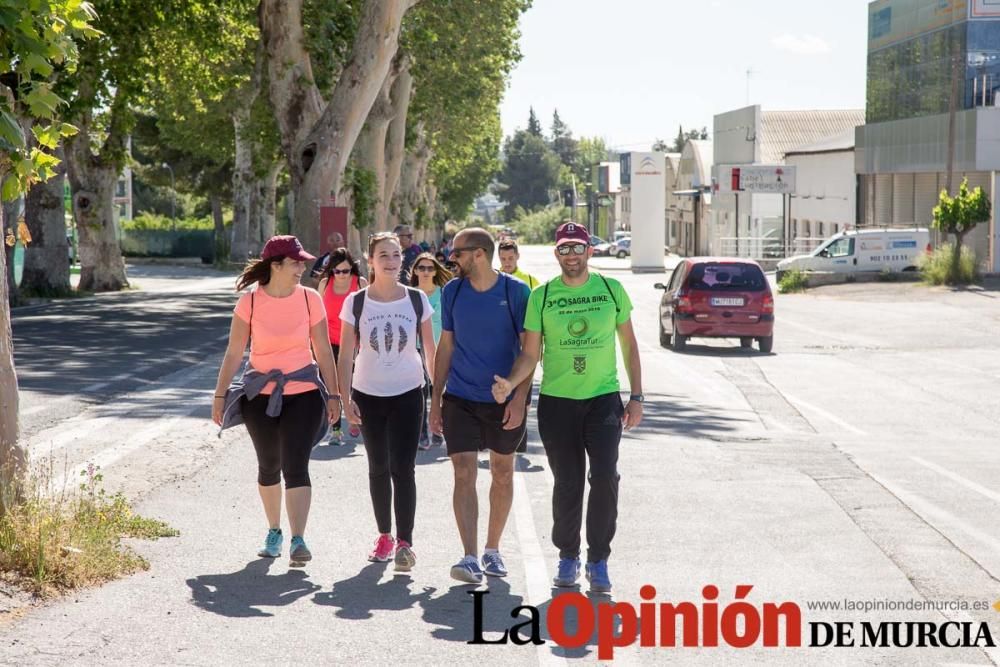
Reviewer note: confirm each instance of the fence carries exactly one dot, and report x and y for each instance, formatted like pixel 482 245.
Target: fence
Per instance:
pixel 168 243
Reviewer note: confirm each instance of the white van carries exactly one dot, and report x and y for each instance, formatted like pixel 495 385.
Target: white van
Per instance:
pixel 861 250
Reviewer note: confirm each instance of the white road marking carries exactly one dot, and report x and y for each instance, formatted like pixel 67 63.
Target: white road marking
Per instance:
pixel 823 413
pixel 535 572
pixel 955 477
pixel 111 455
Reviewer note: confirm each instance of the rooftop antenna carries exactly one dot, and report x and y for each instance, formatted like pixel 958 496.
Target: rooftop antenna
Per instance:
pixel 750 73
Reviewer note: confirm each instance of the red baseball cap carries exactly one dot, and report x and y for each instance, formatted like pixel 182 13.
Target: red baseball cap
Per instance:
pixel 570 232
pixel 287 246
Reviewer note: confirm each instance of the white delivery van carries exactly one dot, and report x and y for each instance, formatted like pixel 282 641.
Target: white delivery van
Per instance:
pixel 861 250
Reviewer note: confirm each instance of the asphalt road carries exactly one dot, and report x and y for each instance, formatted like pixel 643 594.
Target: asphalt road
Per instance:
pixel 856 462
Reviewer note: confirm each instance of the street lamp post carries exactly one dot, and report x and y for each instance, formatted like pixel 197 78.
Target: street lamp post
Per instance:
pixel 173 195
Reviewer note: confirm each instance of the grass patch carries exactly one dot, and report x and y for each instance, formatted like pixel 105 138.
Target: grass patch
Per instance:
pixel 793 281
pixel 54 542
pixel 938 267
pixel 887 276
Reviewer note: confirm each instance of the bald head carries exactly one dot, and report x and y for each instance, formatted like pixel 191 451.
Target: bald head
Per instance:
pixel 477 237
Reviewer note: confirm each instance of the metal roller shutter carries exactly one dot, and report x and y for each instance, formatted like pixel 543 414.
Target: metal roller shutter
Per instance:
pixel 925 196
pixel 883 199
pixel 902 199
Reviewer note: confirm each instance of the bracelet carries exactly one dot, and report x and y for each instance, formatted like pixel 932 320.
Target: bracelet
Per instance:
pixel 217 396
pixel 334 397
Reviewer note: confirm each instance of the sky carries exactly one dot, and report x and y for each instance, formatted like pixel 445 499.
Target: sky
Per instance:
pixel 631 71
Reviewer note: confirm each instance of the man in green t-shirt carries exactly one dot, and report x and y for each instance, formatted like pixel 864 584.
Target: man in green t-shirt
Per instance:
pixel 576 317
pixel 509 255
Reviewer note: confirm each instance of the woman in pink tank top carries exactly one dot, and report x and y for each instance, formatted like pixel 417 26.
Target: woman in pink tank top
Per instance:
pixel 340 278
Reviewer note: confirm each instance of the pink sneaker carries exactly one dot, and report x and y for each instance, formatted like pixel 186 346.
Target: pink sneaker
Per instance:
pixel 383 551
pixel 354 431
pixel 405 558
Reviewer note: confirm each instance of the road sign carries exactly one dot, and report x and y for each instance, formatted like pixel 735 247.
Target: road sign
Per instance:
pixel 754 178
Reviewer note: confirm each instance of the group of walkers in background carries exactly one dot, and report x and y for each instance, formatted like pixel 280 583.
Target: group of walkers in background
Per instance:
pixel 435 349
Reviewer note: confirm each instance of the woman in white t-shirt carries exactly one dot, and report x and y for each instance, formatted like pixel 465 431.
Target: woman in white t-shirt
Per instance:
pixel 385 386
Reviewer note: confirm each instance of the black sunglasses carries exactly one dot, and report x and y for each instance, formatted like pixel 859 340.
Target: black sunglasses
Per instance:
pixel 341 272
pixel 426 268
pixel 575 248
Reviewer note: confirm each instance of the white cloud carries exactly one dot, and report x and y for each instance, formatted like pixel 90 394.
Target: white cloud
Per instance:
pixel 804 45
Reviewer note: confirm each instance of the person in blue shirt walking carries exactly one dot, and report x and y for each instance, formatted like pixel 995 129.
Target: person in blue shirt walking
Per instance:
pixel 482 323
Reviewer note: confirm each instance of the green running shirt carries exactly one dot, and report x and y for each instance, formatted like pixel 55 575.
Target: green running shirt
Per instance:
pixel 578 339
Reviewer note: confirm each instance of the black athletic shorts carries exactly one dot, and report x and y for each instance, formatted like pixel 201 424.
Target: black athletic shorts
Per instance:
pixel 470 426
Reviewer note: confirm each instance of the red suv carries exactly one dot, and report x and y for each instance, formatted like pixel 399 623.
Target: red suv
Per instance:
pixel 717 298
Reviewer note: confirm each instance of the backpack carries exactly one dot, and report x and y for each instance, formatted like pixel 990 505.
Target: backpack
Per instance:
pixel 545 298
pixel 415 301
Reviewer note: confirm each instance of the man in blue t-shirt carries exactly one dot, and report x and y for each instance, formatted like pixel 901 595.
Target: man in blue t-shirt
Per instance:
pixel 482 325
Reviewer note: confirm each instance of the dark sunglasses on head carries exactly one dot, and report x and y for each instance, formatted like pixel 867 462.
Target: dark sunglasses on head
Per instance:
pixel 341 272
pixel 575 248
pixel 426 268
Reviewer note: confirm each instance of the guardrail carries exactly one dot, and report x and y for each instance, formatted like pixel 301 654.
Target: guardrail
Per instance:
pixel 766 247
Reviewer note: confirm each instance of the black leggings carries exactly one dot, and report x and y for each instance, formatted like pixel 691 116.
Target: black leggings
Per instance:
pixel 335 425
pixel 284 443
pixel 391 427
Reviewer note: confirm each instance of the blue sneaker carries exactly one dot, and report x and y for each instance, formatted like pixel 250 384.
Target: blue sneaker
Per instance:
pixel 272 544
pixel 569 572
pixel 597 575
pixel 300 552
pixel 467 571
pixel 493 565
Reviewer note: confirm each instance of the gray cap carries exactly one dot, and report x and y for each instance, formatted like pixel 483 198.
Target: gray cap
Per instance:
pixel 402 230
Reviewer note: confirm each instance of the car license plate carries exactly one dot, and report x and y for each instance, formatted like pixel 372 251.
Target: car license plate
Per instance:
pixel 727 301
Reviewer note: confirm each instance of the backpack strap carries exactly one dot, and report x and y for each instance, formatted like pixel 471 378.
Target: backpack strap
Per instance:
pixel 454 299
pixel 541 316
pixel 510 308
pixel 250 321
pixel 418 309
pixel 359 306
pixel 612 294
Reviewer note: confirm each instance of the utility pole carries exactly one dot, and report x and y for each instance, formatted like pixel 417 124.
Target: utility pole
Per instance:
pixel 952 110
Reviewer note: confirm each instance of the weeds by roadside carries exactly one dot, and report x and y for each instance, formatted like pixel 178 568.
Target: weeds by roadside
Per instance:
pixel 52 542
pixel 793 281
pixel 938 267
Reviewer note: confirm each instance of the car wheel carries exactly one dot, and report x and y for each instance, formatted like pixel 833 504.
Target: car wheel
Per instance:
pixel 664 337
pixel 678 341
pixel 746 342
pixel 622 254
pixel 765 343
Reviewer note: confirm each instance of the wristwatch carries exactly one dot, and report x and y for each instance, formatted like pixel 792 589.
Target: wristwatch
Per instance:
pixel 638 398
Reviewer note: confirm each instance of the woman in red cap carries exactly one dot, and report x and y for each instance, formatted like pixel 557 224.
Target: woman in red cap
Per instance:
pixel 282 397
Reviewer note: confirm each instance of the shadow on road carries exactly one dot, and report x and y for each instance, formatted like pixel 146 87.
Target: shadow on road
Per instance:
pixel 242 594
pixel 673 415
pixel 453 612
pixel 325 452
pixel 570 621
pixel 357 597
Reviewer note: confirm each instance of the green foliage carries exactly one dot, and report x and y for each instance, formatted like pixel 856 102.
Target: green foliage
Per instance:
pixel 534 127
pixel 460 73
pixel 887 275
pixel 938 268
pixel 793 281
pixel 958 215
pixel 364 195
pixel 152 221
pixel 681 139
pixel 35 38
pixel 531 170
pixel 539 227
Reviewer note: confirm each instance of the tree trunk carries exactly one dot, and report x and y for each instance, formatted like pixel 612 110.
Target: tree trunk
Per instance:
pixel 395 150
pixel 13 458
pixel 219 231
pixel 269 201
pixel 92 181
pixel 243 182
pixel 956 259
pixel 317 139
pixel 46 259
pixel 411 190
